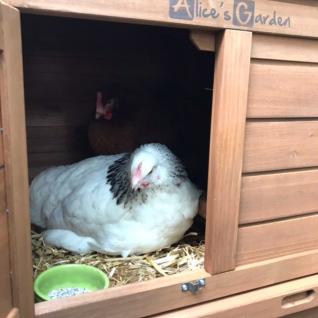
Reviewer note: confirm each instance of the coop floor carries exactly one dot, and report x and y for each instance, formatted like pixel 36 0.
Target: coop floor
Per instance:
pixel 184 256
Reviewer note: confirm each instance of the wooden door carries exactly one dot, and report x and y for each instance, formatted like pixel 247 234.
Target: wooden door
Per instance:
pixel 262 196
pixel 16 292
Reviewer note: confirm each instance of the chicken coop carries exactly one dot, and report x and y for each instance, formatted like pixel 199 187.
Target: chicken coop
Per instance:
pixel 229 86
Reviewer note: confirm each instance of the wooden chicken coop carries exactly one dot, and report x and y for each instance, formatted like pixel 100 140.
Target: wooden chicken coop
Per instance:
pixel 239 81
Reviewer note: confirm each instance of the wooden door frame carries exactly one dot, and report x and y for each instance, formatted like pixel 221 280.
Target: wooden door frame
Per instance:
pixel 159 13
pixel 134 300
pixel 15 159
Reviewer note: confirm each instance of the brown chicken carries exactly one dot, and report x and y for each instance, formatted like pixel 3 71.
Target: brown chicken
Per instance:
pixel 122 129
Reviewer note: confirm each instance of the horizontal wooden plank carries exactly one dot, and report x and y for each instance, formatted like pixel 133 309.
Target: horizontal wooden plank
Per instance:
pixel 59 113
pixel 261 303
pixel 274 239
pixel 41 161
pixel 278 195
pixel 57 139
pixel 261 16
pixel 136 300
pixel 275 145
pixel 272 196
pixel 273 47
pixel 283 89
pixel 284 48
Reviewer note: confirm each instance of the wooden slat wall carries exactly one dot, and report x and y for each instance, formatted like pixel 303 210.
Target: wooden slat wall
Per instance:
pixel 283 90
pixel 278 208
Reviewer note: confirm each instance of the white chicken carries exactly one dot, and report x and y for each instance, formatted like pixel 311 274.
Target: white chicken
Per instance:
pixel 119 205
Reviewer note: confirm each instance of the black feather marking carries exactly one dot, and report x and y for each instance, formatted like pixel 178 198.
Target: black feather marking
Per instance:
pixel 118 177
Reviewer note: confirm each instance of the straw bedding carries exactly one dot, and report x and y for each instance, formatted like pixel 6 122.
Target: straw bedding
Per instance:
pixel 185 256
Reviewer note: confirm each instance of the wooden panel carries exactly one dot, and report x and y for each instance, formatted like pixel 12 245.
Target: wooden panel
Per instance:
pixel 309 313
pixel 284 48
pixel 57 139
pixel 274 239
pixel 14 313
pixel 203 40
pixel 262 303
pixel 271 196
pixel 1 150
pixel 5 283
pixel 58 113
pixel 227 138
pixel 280 145
pixel 14 139
pixel 137 300
pixel 266 16
pixel 41 161
pixel 272 47
pixel 283 89
pixel 2 192
pixel 278 195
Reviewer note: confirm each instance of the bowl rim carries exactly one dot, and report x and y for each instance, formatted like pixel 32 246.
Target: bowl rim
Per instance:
pixel 55 268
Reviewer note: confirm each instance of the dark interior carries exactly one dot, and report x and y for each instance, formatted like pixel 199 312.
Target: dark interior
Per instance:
pixel 161 82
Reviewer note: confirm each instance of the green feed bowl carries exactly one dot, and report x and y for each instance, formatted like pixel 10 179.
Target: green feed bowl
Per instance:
pixel 69 276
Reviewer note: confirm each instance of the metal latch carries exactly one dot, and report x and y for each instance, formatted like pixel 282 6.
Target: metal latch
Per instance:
pixel 193 287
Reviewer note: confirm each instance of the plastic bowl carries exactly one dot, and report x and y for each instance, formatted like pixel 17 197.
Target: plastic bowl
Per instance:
pixel 69 276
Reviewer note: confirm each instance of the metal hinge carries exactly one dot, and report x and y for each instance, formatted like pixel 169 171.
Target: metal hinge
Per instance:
pixel 193 287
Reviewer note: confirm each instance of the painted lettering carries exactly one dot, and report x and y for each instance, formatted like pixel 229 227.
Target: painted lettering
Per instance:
pixel 227 16
pixel 244 12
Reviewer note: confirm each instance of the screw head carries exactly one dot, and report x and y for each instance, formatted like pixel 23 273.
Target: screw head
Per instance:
pixel 184 287
pixel 202 282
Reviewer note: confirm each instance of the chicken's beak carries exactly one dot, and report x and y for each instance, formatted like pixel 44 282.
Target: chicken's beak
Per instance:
pixel 135 182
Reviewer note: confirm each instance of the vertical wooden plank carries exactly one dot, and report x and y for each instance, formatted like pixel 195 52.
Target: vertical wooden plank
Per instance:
pixel 1 150
pixel 226 148
pixel 15 160
pixel 5 282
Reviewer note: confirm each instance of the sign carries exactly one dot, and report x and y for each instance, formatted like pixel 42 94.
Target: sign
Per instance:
pixel 244 13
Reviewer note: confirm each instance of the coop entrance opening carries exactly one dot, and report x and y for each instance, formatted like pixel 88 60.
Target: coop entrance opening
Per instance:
pixel 103 88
